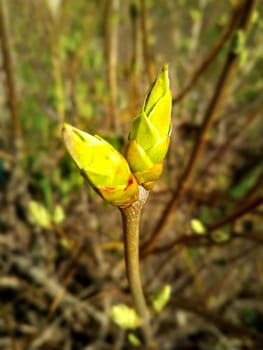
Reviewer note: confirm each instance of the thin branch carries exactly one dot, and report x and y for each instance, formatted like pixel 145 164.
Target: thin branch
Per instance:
pixel 52 288
pixel 111 56
pixel 254 190
pixel 135 55
pixel 206 239
pixel 224 325
pixel 131 220
pixel 213 109
pixel 211 56
pixel 145 42
pixel 230 140
pixel 236 214
pixel 54 38
pixel 10 80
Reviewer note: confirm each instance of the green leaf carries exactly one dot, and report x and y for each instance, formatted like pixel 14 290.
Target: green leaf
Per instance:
pixel 124 316
pixel 238 42
pixel 161 298
pixel 220 236
pixel 198 227
pixel 133 339
pixel 39 215
pixel 58 215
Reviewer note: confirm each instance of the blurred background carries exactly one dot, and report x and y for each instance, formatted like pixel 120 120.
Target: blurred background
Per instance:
pixel 90 63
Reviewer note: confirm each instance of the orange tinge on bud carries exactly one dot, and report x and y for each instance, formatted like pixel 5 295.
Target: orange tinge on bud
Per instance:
pixel 104 167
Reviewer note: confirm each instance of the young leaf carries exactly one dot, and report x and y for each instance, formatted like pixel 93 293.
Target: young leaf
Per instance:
pixel 161 298
pixel 58 215
pixel 39 215
pixel 124 316
pixel 198 227
pixel 133 339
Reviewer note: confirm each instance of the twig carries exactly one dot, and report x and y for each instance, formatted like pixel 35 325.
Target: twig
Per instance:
pixel 229 218
pixel 52 288
pixel 224 325
pixel 237 213
pixel 254 190
pixel 131 221
pixel 8 67
pixel 213 108
pixel 111 56
pixel 54 37
pixel 16 188
pixel 230 140
pixel 135 55
pixel 210 57
pixel 145 42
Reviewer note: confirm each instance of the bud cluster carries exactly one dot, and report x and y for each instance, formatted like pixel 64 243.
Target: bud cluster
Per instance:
pixel 114 177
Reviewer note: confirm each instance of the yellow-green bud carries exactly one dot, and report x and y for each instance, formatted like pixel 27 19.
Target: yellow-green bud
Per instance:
pixel 150 132
pixel 105 168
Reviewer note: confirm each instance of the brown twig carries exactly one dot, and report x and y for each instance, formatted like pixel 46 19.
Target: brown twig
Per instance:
pixel 145 42
pixel 254 190
pixel 211 55
pixel 16 138
pixel 236 214
pixel 224 325
pixel 213 109
pixel 135 54
pixel 131 220
pixel 111 56
pixel 52 288
pixel 205 239
pixel 230 140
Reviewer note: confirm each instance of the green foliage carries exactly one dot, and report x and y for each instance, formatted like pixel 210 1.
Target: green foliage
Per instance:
pixel 40 216
pixel 238 42
pixel 161 298
pixel 124 316
pixel 220 236
pixel 133 339
pixel 198 227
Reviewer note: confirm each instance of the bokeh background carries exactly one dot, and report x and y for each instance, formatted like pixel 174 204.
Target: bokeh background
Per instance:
pixel 90 63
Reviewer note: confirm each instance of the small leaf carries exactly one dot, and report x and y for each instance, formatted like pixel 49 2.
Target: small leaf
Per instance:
pixel 58 215
pixel 220 236
pixel 39 215
pixel 133 339
pixel 255 16
pixel 124 316
pixel 64 244
pixel 238 42
pixel 198 227
pixel 161 298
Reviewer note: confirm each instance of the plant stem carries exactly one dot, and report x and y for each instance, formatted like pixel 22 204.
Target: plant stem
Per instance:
pixel 214 107
pixel 131 221
pixel 7 65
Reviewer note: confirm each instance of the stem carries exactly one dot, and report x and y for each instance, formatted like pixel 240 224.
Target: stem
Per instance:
pixel 131 220
pixel 111 55
pixel 211 55
pixel 145 42
pixel 214 107
pixel 12 100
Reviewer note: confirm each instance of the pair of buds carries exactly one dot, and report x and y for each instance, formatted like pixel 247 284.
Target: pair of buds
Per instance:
pixel 114 176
